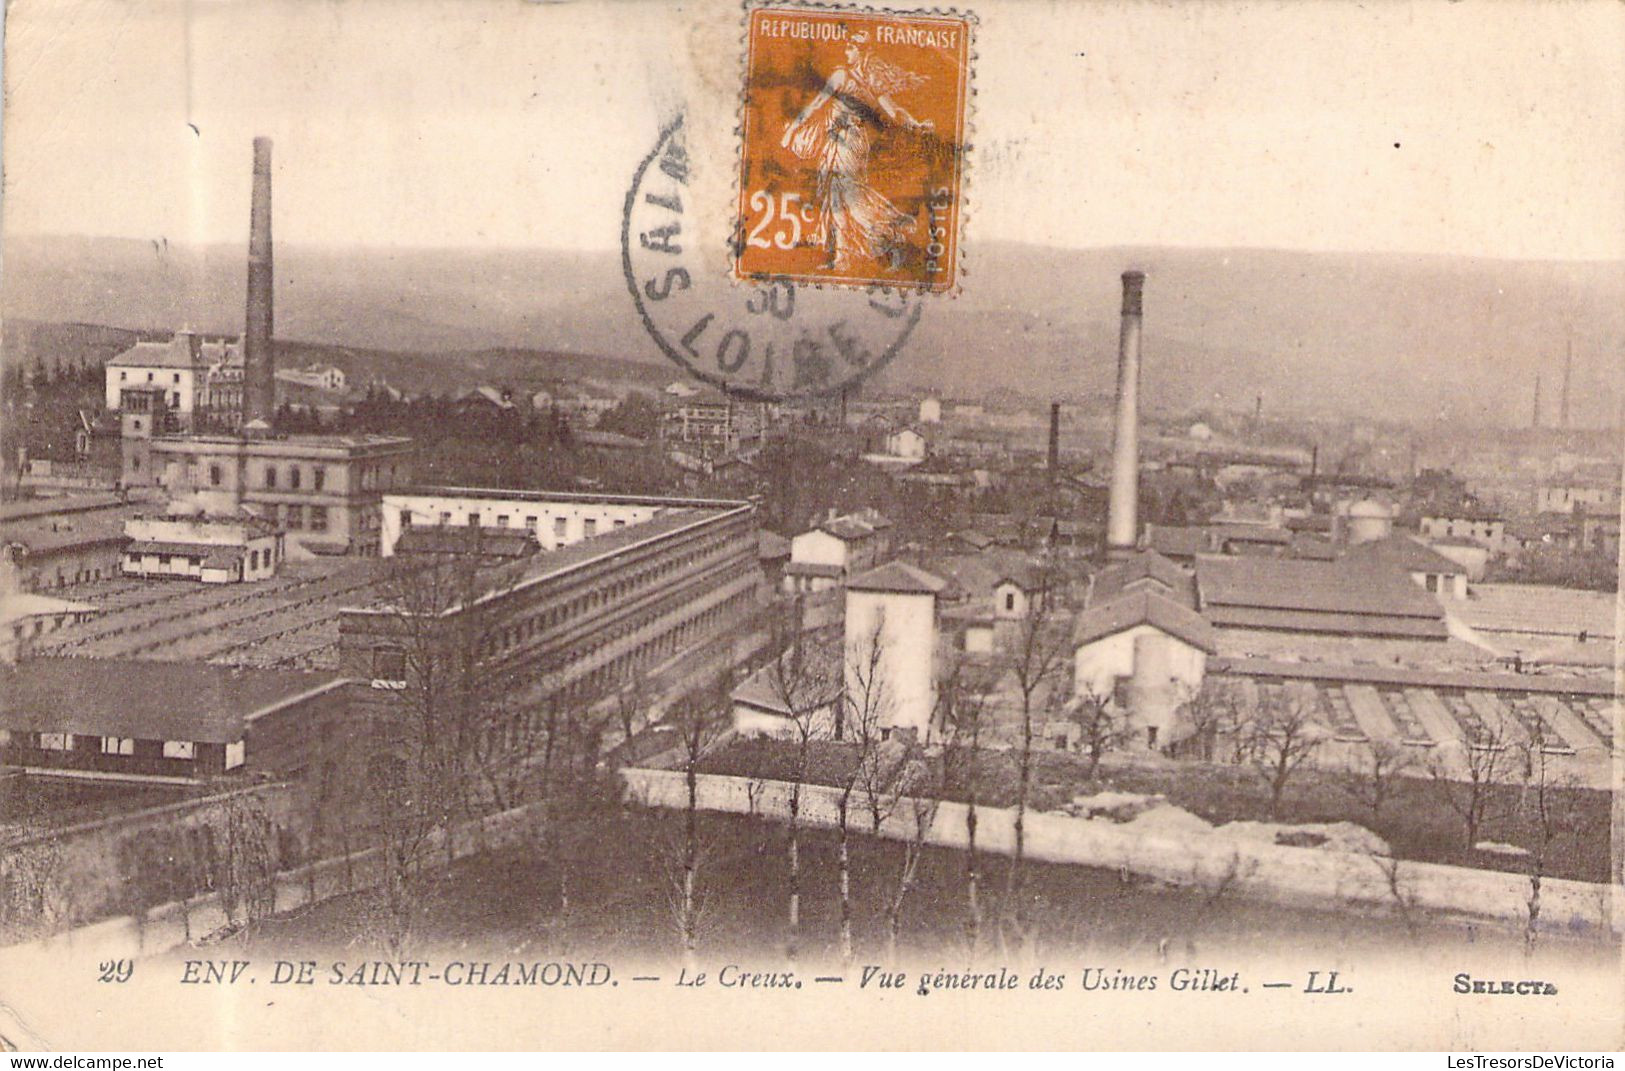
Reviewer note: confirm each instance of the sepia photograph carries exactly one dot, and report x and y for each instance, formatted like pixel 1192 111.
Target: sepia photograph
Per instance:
pixel 639 525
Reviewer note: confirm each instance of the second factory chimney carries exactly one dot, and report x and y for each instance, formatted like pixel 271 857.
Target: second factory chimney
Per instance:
pixel 1054 438
pixel 1122 526
pixel 259 365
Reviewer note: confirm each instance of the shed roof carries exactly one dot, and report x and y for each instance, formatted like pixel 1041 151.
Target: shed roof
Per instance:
pixel 1142 608
pixel 1342 624
pixel 1341 587
pixel 1144 565
pixel 143 700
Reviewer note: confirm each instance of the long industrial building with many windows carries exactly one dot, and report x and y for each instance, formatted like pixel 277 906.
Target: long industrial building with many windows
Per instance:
pixel 616 586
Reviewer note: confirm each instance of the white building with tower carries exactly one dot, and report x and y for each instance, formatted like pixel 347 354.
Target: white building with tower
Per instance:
pixel 891 638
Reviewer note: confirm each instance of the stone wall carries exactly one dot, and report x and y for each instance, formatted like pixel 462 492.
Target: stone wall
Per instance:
pixel 1300 877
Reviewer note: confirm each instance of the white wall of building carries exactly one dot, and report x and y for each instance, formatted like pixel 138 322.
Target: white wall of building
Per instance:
pixel 905 628
pixel 555 523
pixel 1098 665
pixel 906 443
pixel 818 547
pixel 179 384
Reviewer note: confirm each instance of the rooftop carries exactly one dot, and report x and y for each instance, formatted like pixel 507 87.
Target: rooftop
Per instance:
pixel 1145 565
pixel 183 351
pixel 1538 609
pixel 1336 587
pixel 1406 553
pixel 1410 677
pixel 786 687
pixel 18 605
pixel 898 577
pixel 1142 607
pixel 143 700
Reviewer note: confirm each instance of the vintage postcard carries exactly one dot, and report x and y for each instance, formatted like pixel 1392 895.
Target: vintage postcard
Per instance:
pixel 626 525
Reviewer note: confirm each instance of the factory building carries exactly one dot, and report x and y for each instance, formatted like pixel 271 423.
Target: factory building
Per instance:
pixel 552 519
pixel 574 622
pixel 148 721
pixel 215 550
pixel 325 491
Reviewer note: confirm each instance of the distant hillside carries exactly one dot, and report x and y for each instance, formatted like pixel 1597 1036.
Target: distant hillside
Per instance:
pixel 1422 338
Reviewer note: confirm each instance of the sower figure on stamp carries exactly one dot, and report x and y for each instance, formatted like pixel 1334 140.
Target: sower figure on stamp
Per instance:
pixel 854 218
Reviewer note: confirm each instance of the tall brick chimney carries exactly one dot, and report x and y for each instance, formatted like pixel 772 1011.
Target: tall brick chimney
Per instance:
pixel 259 364
pixel 1122 525
pixel 1054 437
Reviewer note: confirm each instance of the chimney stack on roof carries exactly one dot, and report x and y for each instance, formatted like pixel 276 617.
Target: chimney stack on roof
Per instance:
pixel 259 364
pixel 1054 437
pixel 1122 525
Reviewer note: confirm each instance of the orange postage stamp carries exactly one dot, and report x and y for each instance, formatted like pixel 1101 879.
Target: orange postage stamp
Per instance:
pixel 854 147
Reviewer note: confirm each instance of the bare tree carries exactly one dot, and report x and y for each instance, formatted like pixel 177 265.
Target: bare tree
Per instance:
pixel 33 892
pixel 694 718
pixel 1471 791
pixel 1035 658
pixel 1547 803
pixel 808 690
pixel 1374 775
pixel 245 869
pixel 1101 728
pixel 865 711
pixel 1215 714
pixel 452 733
pixel 962 704
pixel 919 798
pixel 1282 735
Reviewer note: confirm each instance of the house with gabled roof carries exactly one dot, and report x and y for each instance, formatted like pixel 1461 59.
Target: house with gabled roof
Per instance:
pixel 1144 653
pixel 1433 571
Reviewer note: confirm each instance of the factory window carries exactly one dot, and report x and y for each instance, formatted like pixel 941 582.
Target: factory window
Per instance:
pixel 502 520
pixel 559 528
pixel 122 376
pixel 137 423
pixel 619 523
pixel 56 741
pixel 1432 582
pixel 178 749
pixel 389 664
pixel 530 525
pixel 1009 600
pixel 149 377
pixel 294 516
pixel 589 528
pixel 473 520
pixel 318 518
pixel 445 518
pixel 270 476
pixel 214 475
pixel 118 745
pixel 294 476
pixel 318 477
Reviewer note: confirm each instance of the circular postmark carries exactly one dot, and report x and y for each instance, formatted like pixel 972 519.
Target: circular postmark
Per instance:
pixel 772 340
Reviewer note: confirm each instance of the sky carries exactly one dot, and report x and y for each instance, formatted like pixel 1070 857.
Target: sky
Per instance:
pixel 1475 128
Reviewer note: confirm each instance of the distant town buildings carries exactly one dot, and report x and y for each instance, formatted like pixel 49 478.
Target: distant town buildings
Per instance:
pixel 318 376
pixel 838 547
